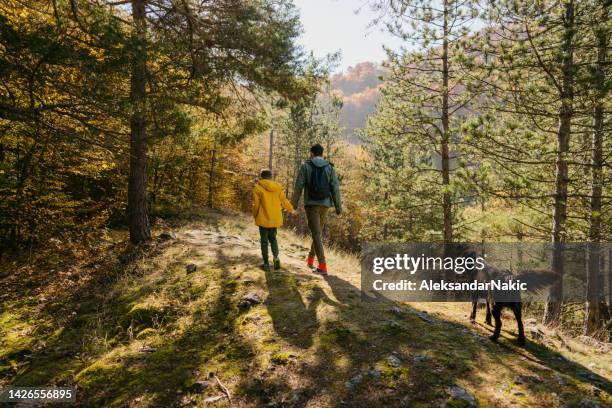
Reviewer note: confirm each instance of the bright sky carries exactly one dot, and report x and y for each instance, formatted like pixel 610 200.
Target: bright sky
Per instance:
pixel 333 25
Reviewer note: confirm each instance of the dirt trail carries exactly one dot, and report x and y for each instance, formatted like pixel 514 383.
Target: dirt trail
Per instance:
pixel 210 242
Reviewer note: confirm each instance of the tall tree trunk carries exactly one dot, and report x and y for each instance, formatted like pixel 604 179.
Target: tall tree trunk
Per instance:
pixel 155 184
pixel 138 209
pixel 444 151
pixel 610 283
pixel 555 295
pixel 592 319
pixel 297 158
pixel 271 149
pixel 211 176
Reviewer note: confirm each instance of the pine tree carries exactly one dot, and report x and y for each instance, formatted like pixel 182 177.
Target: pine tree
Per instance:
pixel 257 46
pixel 592 321
pixel 424 97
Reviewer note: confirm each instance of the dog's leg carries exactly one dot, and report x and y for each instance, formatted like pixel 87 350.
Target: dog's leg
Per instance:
pixel 498 323
pixel 488 318
pixel 516 308
pixel 473 314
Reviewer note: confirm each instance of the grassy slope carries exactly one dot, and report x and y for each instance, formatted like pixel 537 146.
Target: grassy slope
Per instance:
pixel 142 332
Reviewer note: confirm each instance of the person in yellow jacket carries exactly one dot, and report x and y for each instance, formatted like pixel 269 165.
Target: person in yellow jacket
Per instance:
pixel 268 197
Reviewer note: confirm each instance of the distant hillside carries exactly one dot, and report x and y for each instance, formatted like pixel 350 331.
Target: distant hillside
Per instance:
pixel 359 87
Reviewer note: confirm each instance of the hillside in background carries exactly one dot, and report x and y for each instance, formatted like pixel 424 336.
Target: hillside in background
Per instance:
pixel 359 87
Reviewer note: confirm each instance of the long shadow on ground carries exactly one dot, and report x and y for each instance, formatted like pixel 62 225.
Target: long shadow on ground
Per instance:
pixel 292 319
pixel 163 372
pixel 383 353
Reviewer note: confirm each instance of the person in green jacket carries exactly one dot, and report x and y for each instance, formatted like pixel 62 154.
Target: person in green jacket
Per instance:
pixel 316 208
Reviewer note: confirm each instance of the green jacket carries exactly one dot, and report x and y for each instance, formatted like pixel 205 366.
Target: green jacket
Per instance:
pixel 304 176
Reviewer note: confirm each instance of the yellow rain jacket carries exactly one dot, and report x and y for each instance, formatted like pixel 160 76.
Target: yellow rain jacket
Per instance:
pixel 268 197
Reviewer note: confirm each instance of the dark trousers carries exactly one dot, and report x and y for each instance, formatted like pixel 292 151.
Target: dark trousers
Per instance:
pixel 317 215
pixel 268 235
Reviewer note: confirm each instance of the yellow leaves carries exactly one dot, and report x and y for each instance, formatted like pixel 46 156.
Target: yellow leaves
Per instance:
pixel 97 53
pixel 22 17
pixel 106 166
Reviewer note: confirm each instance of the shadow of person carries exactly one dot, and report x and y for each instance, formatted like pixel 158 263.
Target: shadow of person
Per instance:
pixel 542 355
pixel 292 319
pixel 347 293
pixel 356 341
pixel 544 359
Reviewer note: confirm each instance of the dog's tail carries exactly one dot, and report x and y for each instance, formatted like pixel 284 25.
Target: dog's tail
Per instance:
pixel 537 279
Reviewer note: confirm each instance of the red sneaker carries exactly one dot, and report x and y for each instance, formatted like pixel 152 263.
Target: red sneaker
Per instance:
pixel 322 269
pixel 310 261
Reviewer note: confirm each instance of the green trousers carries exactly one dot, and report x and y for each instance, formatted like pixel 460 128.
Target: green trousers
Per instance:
pixel 268 235
pixel 316 215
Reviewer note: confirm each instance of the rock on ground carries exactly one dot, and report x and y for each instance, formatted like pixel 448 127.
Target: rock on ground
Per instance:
pixel 394 361
pixel 421 358
pixel 199 386
pixel 249 300
pixel 354 382
pixel 167 235
pixel 460 398
pixel 423 316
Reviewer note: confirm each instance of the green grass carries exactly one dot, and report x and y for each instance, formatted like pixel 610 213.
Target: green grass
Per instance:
pixel 141 334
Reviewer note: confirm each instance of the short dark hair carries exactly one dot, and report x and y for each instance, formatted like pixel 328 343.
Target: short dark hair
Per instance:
pixel 316 149
pixel 265 174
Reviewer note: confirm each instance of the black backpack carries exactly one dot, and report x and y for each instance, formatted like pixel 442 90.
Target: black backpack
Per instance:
pixel 318 185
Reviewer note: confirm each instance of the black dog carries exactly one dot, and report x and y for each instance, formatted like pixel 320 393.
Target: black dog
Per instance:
pixel 496 301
